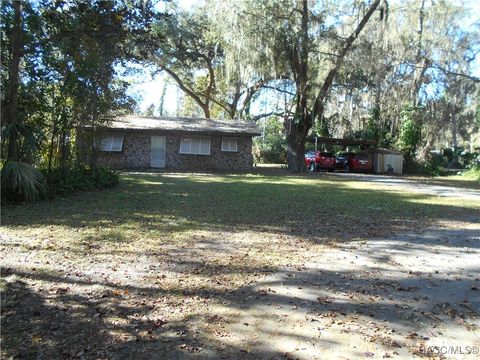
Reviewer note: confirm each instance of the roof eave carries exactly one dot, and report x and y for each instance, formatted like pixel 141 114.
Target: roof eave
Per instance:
pixel 197 131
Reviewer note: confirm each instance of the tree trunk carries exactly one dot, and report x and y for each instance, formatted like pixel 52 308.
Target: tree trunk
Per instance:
pixel 64 147
pixel 299 126
pixel 319 106
pixel 296 149
pixel 233 106
pixel 54 131
pixel 297 132
pixel 50 151
pixel 379 79
pixel 206 110
pixel 251 91
pixel 422 63
pixel 350 109
pixel 454 126
pixel 15 78
pixel 162 98
pixel 93 156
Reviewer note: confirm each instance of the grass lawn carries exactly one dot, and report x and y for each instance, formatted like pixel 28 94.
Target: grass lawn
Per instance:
pixel 141 265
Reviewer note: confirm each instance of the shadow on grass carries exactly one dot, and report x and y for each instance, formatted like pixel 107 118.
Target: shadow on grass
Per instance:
pixel 303 206
pixel 132 321
pixel 97 318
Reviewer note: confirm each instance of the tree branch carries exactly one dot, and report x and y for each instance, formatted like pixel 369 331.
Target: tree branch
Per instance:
pixel 446 71
pixel 260 116
pixel 322 94
pixel 223 105
pixel 278 89
pixel 186 89
pixel 250 93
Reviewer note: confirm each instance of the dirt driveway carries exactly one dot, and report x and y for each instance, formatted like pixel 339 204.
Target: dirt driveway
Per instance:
pixel 415 186
pixel 409 295
pixel 250 266
pixel 405 296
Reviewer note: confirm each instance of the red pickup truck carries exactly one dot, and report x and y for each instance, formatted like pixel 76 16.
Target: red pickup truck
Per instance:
pixel 352 162
pixel 315 160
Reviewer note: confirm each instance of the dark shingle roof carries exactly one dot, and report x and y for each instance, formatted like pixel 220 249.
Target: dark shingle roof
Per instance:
pixel 184 124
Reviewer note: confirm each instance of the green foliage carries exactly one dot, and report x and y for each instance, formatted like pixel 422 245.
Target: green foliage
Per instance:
pixel 458 157
pixel 439 162
pixel 105 177
pixel 22 182
pixel 80 178
pixel 410 131
pixel 68 56
pixel 473 167
pixel 474 162
pixel 433 164
pixel 185 47
pixel 272 147
pixel 469 159
pixel 150 111
pixel 449 154
pixel 21 133
pixel 373 131
pixel 477 115
pixel 387 140
pixel 322 127
pixel 273 150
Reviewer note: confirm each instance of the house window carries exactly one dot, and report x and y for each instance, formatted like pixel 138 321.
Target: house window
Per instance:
pixel 112 142
pixel 195 145
pixel 229 144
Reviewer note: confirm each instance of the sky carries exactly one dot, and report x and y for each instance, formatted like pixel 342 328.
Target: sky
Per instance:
pixel 150 89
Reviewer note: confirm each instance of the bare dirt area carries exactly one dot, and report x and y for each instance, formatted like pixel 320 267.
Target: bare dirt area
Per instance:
pixel 442 187
pixel 404 296
pixel 241 266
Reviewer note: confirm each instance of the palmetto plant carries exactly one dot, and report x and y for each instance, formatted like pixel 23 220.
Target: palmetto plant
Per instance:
pixel 15 131
pixel 21 181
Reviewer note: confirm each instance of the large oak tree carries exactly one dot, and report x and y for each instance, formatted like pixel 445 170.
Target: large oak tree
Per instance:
pixel 296 40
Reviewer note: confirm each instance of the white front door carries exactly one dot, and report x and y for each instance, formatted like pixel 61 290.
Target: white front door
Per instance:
pixel 157 159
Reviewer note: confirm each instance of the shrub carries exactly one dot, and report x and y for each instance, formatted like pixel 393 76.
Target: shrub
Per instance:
pixel 433 164
pixel 22 182
pixel 473 173
pixel 272 150
pixel 272 147
pixel 105 177
pixel 63 182
pixel 473 170
pixel 410 132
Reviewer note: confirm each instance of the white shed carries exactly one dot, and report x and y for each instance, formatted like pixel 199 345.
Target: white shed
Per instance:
pixel 386 160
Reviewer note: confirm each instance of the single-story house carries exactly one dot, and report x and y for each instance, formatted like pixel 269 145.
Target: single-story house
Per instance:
pixel 137 142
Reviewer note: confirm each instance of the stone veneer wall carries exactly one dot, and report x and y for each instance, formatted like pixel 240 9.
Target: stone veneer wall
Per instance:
pixel 136 153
